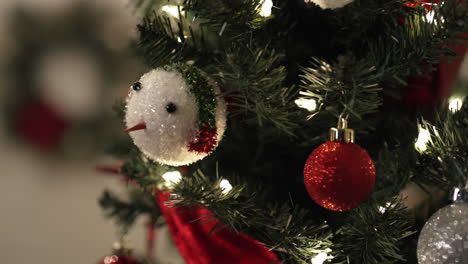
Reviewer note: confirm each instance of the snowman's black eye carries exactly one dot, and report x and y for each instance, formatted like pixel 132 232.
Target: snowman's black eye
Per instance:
pixel 136 86
pixel 171 108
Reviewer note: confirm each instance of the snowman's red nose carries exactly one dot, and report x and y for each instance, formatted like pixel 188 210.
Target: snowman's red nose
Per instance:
pixel 138 126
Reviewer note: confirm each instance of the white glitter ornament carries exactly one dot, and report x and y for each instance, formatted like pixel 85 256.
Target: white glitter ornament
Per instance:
pixel 175 116
pixel 444 237
pixel 324 4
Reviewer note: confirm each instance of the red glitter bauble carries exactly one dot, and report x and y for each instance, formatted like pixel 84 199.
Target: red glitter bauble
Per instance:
pixel 119 259
pixel 339 176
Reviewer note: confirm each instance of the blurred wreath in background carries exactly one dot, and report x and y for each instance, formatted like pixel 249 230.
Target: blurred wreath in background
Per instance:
pixel 64 72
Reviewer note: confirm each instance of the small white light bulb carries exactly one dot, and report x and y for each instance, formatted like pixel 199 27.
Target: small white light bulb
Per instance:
pixel 225 186
pixel 308 104
pixel 172 177
pixel 265 9
pixel 423 138
pixel 383 209
pixel 430 15
pixel 455 104
pixel 319 258
pixel 172 10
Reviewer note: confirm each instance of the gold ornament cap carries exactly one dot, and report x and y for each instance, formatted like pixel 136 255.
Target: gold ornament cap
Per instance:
pixel 342 132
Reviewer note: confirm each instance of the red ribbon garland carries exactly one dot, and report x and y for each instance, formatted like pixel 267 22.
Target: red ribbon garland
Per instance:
pixel 191 230
pixel 432 90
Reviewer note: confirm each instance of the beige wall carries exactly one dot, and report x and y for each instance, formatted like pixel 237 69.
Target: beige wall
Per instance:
pixel 48 206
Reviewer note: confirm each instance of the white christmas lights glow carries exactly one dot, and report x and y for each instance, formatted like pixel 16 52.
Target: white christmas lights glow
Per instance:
pixel 172 10
pixel 383 209
pixel 265 9
pixel 455 104
pixel 423 138
pixel 321 257
pixel 172 177
pixel 306 103
pixel 225 186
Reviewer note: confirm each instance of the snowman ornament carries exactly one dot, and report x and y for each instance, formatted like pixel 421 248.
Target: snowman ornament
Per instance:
pixel 175 115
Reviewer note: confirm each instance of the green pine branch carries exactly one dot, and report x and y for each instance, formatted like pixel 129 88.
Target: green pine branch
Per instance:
pixel 145 172
pixel 255 83
pixel 165 40
pixel 374 233
pixel 350 87
pixel 286 229
pixel 446 158
pixel 125 213
pixel 230 20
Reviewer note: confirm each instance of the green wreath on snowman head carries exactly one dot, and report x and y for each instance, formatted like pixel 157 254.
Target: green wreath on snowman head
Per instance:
pixel 198 85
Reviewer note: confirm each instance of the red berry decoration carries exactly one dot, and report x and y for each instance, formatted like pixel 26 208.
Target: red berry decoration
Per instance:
pixel 339 175
pixel 121 254
pixel 119 259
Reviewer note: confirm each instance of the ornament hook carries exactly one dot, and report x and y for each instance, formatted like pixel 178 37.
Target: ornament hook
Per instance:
pixel 459 194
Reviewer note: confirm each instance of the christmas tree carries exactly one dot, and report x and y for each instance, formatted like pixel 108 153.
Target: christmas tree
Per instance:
pixel 231 144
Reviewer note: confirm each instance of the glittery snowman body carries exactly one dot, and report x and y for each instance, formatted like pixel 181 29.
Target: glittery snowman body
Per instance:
pixel 444 238
pixel 165 105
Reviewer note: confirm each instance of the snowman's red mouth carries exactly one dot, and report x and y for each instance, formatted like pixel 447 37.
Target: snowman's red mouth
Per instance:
pixel 139 126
